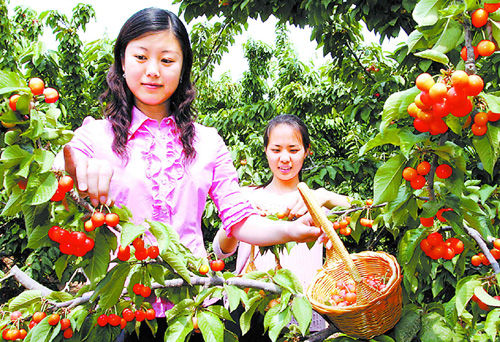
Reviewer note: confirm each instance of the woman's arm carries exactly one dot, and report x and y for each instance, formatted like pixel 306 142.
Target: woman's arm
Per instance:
pixel 224 246
pixel 260 231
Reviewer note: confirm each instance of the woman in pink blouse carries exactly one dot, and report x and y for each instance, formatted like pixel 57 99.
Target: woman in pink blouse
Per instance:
pixel 149 154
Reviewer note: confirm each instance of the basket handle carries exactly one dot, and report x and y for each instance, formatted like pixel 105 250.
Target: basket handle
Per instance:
pixel 320 220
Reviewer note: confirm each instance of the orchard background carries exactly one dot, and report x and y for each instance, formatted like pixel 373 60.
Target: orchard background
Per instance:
pixel 359 108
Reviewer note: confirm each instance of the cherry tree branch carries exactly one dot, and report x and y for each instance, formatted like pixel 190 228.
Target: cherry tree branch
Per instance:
pixel 484 248
pixel 26 281
pixel 470 63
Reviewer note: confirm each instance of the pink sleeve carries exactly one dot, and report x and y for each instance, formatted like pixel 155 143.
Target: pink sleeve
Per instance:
pixel 225 191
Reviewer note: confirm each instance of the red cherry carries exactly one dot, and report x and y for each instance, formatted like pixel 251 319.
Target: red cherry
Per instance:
pixel 153 252
pixel 102 320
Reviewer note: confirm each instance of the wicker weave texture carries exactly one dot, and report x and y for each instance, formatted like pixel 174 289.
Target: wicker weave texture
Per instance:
pixel 371 318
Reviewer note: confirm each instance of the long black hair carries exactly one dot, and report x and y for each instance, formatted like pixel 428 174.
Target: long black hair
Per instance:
pixel 293 121
pixel 121 100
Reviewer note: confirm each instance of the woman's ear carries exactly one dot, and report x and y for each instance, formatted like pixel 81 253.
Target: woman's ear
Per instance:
pixel 308 150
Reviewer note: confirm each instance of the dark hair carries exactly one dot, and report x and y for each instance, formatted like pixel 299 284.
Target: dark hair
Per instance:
pixel 290 120
pixel 119 109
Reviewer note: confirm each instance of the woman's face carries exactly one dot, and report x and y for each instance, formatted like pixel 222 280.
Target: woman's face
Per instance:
pixel 285 152
pixel 153 65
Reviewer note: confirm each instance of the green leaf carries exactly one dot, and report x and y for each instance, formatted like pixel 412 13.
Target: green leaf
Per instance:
pixel 390 136
pixel 40 332
pixel 302 311
pixel 130 232
pixel 465 290
pixel 177 264
pixel 211 326
pixel 492 101
pixel 25 299
pixel 113 285
pixel 409 140
pixel 409 243
pixel 491 324
pixel 59 296
pixel 99 262
pixel 45 190
pixel 220 311
pixel 180 309
pixel 234 295
pixel 434 328
pixel 14 155
pixel 451 36
pixel 415 41
pixel 45 159
pixel 157 272
pixel 11 81
pixel 286 279
pixel 388 179
pixel 426 12
pixel 178 329
pixel 433 55
pixel 246 317
pixel 160 232
pixel 14 204
pixel 275 320
pixel 487 147
pixel 408 326
pixel 39 237
pixel 60 265
pixel 396 107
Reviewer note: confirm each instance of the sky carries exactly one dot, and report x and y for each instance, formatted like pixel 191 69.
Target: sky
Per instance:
pixel 110 17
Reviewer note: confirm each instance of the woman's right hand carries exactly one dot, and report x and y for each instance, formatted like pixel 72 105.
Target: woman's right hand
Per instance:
pixel 92 176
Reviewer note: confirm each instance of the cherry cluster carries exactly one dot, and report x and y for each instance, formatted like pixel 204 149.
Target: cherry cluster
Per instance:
pixel 127 316
pixel 141 252
pixel 71 243
pixel 479 18
pixel 36 318
pixel 481 259
pixel 436 248
pixel 64 185
pixel 342 225
pixel 449 95
pixel 378 283
pixel 98 219
pixel 37 87
pixel 65 323
pixel 14 333
pixel 372 68
pixel 141 290
pixel 416 177
pixel 343 294
pixel 216 265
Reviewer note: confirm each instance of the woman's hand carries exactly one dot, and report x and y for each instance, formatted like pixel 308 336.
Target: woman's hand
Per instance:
pixel 260 231
pixel 92 176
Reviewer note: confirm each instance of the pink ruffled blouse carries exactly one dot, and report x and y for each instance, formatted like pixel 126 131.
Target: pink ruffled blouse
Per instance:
pixel 157 185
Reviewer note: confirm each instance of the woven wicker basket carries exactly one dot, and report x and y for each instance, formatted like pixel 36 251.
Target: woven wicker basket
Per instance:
pixel 375 311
